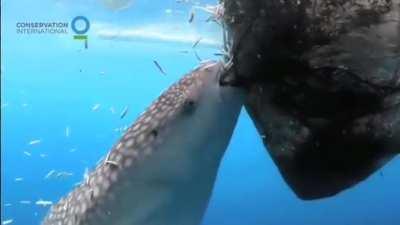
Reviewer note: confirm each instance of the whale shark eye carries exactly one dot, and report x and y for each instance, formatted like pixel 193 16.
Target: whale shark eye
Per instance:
pixel 154 133
pixel 189 105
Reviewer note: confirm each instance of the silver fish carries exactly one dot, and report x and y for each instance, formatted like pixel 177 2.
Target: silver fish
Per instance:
pixel 191 17
pixel 196 42
pixel 124 112
pixel 159 67
pixel 163 169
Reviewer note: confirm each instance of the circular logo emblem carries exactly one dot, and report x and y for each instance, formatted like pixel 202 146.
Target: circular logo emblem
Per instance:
pixel 81 29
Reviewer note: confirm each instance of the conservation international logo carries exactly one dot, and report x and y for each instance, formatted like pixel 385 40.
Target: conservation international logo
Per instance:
pixel 79 25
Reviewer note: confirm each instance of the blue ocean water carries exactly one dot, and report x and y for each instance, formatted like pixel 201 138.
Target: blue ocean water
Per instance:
pixel 50 84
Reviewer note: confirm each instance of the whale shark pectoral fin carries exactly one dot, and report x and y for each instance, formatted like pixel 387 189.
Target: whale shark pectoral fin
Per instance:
pixel 320 157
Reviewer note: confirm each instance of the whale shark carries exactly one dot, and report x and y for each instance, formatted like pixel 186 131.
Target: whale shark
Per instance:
pixel 162 171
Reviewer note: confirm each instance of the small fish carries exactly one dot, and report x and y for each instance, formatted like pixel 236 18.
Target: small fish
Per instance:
pixel 196 42
pixel 27 153
pixel 67 131
pixel 168 11
pixel 191 17
pixel 25 202
pixel 124 112
pixel 72 150
pixel 49 174
pixel 113 163
pixel 86 174
pixel 7 221
pixel 197 56
pixel 210 18
pixel 18 179
pixel 63 174
pixel 112 110
pixel 43 203
pixel 35 142
pixel 96 107
pixel 159 67
pixel 43 155
pixel 184 51
pixel 7 204
pixel 219 54
pixel 102 73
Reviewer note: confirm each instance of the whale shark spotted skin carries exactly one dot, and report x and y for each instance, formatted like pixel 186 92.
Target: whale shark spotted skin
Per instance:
pixel 163 169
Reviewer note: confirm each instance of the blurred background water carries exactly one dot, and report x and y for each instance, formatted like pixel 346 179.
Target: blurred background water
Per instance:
pixel 69 99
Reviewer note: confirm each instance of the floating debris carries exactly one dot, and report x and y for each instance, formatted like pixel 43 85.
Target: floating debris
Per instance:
pixel 72 150
pixel 35 142
pixel 124 112
pixel 24 105
pixel 43 155
pixel 19 179
pixel 102 73
pixel 49 174
pixel 67 131
pixel 27 154
pixel 7 204
pixel 196 42
pixel 159 67
pixel 7 221
pixel 168 11
pixel 25 202
pixel 43 203
pixel 96 107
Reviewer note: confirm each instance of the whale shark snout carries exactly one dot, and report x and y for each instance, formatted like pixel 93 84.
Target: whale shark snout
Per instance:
pixel 163 169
